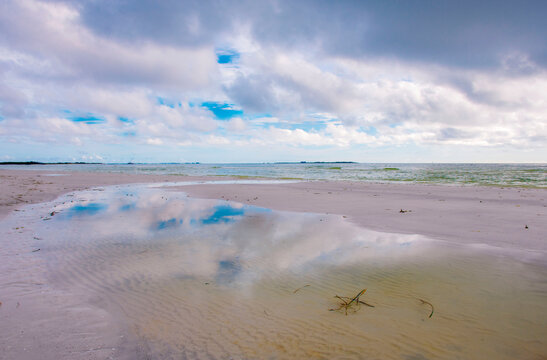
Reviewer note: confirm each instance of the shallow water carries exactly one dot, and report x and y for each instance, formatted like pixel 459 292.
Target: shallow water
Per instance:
pixel 531 175
pixel 215 279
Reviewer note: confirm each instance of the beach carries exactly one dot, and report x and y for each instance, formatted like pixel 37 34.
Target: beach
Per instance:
pixel 507 217
pixel 500 216
pixel 273 180
pixel 95 268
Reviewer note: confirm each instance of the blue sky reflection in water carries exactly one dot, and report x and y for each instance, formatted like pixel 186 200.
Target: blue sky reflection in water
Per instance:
pixel 185 271
pixel 85 210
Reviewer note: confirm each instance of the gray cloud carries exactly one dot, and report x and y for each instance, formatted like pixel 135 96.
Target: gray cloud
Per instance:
pixel 457 33
pixel 437 72
pixel 53 35
pixel 253 93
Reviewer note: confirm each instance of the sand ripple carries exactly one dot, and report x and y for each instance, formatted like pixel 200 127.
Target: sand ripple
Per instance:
pixel 191 287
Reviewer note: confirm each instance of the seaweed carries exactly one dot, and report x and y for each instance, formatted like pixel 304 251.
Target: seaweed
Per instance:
pixel 430 304
pixel 300 288
pixel 347 303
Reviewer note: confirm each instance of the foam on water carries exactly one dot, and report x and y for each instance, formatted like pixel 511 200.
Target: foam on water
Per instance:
pixel 197 278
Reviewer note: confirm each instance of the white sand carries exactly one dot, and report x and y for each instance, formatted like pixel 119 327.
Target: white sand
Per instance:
pixel 19 187
pixel 39 321
pixel 470 214
pixel 506 217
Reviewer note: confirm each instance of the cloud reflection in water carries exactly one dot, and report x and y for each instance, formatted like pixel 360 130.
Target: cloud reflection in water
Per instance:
pixel 222 240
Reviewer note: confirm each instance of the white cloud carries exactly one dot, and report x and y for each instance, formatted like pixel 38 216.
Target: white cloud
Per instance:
pixel 53 31
pixel 154 141
pixel 236 125
pixel 54 67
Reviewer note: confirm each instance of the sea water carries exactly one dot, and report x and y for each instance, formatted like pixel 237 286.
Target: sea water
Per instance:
pixel 193 278
pixel 532 175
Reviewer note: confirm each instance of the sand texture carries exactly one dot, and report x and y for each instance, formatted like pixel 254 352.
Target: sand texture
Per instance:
pixel 507 217
pixel 512 217
pixel 134 272
pixel 19 187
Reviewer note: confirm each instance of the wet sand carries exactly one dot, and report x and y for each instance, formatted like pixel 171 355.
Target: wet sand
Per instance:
pixel 127 284
pixel 20 187
pixel 508 217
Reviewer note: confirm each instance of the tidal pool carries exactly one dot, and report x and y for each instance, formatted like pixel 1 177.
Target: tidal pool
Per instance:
pixel 194 278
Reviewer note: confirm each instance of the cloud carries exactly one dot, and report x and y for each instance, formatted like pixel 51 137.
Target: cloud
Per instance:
pixel 222 75
pixel 390 94
pixel 463 33
pixel 154 141
pixel 53 31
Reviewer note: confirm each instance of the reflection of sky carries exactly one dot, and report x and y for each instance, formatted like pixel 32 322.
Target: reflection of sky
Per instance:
pixel 86 210
pixel 168 224
pixel 223 213
pixel 219 240
pixel 228 270
pixel 128 207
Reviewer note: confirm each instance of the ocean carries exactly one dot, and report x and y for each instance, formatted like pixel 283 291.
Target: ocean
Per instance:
pixel 523 175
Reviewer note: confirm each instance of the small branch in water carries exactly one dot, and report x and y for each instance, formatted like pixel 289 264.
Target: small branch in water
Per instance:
pixel 356 298
pixel 300 288
pixel 430 304
pixel 364 303
pixel 347 302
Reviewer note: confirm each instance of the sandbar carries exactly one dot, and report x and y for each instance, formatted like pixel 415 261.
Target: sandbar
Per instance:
pixel 510 217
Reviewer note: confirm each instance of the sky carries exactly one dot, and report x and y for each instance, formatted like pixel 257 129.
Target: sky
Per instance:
pixel 273 80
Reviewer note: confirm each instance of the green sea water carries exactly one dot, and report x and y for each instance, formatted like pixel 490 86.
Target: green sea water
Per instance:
pixel 524 175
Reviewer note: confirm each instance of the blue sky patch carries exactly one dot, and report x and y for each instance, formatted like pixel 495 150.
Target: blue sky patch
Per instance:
pixel 222 111
pixel 166 102
pixel 227 56
pixel 258 116
pixel 371 130
pixel 90 119
pixel 129 134
pixel 126 120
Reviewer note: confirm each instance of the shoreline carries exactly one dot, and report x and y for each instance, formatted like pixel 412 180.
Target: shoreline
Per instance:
pixel 510 217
